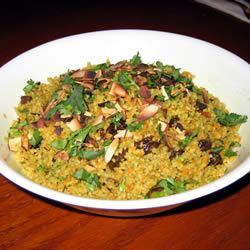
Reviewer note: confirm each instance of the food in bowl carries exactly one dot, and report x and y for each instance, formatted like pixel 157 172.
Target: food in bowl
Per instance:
pixel 123 131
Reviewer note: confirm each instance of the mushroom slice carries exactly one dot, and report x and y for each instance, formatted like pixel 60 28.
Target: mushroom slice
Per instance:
pixel 14 143
pixel 120 134
pixel 99 119
pixel 108 112
pixel 87 84
pixel 63 155
pixel 164 93
pixel 117 90
pixel 74 124
pixel 84 74
pixel 111 150
pixel 148 112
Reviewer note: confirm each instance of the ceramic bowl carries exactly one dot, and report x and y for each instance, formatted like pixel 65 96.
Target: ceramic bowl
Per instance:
pixel 221 72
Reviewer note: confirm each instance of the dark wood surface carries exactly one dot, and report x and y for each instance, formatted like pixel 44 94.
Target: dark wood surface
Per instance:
pixel 218 221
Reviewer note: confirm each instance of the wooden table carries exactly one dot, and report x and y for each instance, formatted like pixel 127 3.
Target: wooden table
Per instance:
pixel 219 221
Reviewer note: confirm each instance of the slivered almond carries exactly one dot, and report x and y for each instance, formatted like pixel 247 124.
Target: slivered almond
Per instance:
pixel 74 124
pixel 163 126
pixel 65 116
pixel 117 90
pixel 99 119
pixel 120 134
pixel 164 93
pixel 148 112
pixel 111 150
pixel 108 112
pixel 14 143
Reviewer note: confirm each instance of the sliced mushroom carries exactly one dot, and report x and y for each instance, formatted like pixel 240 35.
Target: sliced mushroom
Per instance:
pixel 58 130
pixel 14 143
pixel 74 124
pixel 63 155
pixel 103 82
pixel 117 90
pixel 148 112
pixel 87 84
pixel 92 142
pixel 99 119
pixel 141 80
pixel 84 74
pixel 111 150
pixel 40 123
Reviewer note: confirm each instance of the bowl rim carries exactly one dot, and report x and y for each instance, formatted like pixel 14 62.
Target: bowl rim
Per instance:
pixel 175 199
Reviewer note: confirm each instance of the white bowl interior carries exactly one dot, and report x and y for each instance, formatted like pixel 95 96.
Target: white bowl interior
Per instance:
pixel 222 73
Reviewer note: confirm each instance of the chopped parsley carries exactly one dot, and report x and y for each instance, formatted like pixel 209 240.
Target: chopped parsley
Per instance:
pixel 217 149
pixel 183 143
pixel 90 155
pixel 230 152
pixel 68 79
pixel 59 144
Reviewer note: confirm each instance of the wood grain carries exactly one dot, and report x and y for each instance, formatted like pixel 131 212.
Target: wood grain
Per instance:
pixel 218 221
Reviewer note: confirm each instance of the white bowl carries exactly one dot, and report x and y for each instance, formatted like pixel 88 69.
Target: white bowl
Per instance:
pixel 221 72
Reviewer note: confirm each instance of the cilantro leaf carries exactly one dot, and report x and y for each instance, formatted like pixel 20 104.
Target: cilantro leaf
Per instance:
pixel 126 81
pixel 116 119
pixel 229 119
pixel 68 79
pixel 59 144
pixel 90 155
pixel 91 178
pixel 183 143
pixel 166 187
pixel 36 138
pixel 135 60
pixel 135 126
pixel 30 85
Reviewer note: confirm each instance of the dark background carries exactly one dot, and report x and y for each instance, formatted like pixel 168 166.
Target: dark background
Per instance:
pixel 218 221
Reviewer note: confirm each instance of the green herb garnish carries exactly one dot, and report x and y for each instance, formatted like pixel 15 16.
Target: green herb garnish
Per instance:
pixel 135 60
pixel 116 119
pixel 126 81
pixel 90 155
pixel 166 187
pixel 217 149
pixel 36 138
pixel 30 85
pixel 135 126
pixel 229 119
pixel 91 178
pixel 183 143
pixel 59 144
pixel 68 79
pixel 230 152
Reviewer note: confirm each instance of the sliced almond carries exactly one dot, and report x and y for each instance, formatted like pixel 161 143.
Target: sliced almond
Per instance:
pixel 108 112
pixel 118 107
pixel 163 125
pixel 89 114
pixel 129 134
pixel 74 124
pixel 25 142
pixel 120 134
pixel 99 119
pixel 117 90
pixel 148 112
pixel 89 168
pixel 65 116
pixel 111 150
pixel 14 143
pixel 164 93
pixel 63 155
